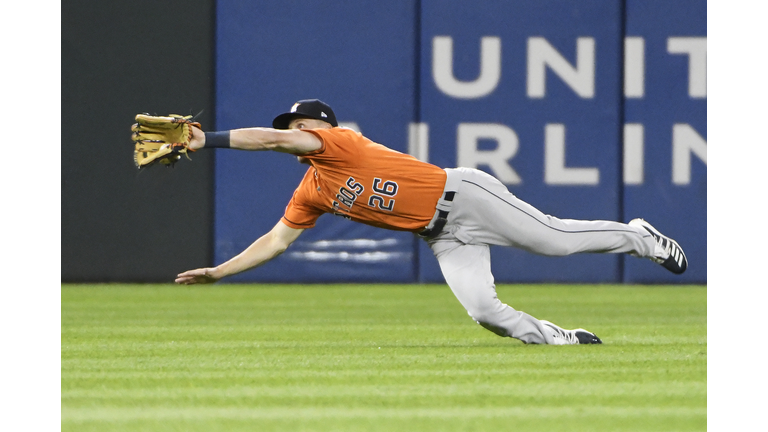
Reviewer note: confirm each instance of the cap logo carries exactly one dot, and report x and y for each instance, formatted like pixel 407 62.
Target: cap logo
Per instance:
pixel 322 114
pixel 294 107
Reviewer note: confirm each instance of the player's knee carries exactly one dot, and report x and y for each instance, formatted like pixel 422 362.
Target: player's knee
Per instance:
pixel 501 331
pixel 560 250
pixel 552 248
pixel 489 319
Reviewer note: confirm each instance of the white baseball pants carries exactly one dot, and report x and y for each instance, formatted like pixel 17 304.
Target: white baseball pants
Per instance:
pixel 483 212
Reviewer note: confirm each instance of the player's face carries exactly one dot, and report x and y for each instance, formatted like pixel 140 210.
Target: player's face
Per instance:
pixel 307 123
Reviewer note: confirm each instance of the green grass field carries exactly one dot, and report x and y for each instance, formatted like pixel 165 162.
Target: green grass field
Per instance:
pixel 377 358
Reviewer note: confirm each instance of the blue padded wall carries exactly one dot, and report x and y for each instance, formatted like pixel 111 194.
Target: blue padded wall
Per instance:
pixel 540 94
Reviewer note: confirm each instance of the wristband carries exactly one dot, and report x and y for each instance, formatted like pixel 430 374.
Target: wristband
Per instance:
pixel 217 139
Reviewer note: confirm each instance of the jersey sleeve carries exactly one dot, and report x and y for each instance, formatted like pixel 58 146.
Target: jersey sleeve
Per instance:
pixel 300 213
pixel 338 145
pixel 300 216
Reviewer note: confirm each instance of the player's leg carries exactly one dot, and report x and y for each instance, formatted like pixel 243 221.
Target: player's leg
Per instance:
pixel 467 270
pixel 485 212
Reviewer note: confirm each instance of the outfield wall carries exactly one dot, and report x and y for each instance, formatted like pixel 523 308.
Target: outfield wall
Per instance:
pixel 585 109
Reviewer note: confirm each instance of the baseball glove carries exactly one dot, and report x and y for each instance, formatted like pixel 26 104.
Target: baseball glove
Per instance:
pixel 161 139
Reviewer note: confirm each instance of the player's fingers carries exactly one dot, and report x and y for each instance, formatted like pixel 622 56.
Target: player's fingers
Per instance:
pixel 195 272
pixel 196 276
pixel 184 279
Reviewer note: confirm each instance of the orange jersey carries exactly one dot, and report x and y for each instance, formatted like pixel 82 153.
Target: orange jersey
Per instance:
pixel 366 182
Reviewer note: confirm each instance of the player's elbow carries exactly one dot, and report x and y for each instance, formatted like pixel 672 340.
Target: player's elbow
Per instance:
pixel 280 238
pixel 278 249
pixel 278 245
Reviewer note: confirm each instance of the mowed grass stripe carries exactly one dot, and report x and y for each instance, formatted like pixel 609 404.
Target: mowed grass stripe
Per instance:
pixel 652 389
pixel 351 375
pixel 640 333
pixel 123 414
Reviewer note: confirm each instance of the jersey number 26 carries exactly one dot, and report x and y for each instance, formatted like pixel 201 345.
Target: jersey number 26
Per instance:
pixel 383 189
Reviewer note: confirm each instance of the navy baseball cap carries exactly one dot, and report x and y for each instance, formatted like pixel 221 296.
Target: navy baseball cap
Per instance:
pixel 307 108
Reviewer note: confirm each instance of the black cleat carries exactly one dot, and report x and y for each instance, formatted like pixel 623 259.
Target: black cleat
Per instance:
pixel 586 338
pixel 668 253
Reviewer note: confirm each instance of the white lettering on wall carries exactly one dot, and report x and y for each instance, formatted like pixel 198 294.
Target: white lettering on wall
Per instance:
pixel 490 68
pixel 634 67
pixel 555 171
pixel 634 139
pixel 468 154
pixel 580 78
pixel 696 50
pixel 685 140
pixel 418 141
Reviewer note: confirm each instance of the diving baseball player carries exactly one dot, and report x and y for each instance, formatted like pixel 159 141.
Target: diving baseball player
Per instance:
pixel 460 212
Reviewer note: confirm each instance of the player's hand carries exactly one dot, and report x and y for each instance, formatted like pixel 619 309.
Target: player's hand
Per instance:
pixel 197 276
pixel 197 141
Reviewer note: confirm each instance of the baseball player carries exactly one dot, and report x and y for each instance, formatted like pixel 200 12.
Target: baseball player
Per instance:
pixel 460 212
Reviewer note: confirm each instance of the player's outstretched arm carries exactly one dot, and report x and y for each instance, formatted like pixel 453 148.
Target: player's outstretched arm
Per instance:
pixel 285 141
pixel 261 251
